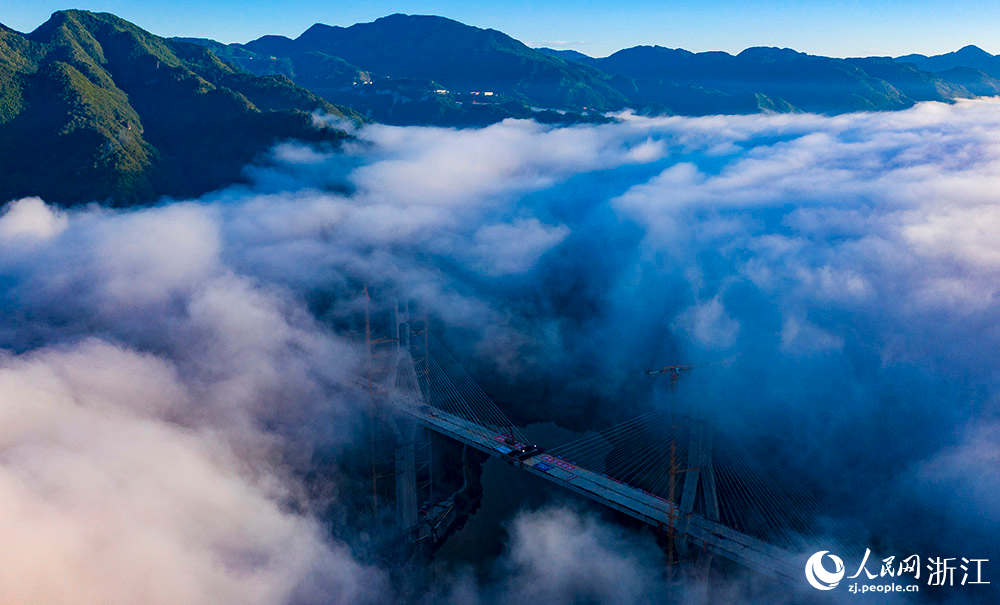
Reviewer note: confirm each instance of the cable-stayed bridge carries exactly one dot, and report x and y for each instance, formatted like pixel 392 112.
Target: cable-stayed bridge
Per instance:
pixel 699 487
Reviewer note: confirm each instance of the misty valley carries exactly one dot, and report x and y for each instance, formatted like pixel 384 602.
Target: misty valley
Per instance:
pixel 410 311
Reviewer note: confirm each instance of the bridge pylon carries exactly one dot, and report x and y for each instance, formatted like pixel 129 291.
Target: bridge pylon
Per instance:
pixel 398 364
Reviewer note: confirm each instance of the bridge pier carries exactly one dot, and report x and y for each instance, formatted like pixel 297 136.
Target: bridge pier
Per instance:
pixel 406 474
pixel 413 456
pixel 701 474
pixel 699 480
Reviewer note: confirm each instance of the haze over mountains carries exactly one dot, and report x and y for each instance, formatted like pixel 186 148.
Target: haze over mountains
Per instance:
pixel 94 108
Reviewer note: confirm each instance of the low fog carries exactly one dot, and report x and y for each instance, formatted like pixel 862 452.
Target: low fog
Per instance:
pixel 167 373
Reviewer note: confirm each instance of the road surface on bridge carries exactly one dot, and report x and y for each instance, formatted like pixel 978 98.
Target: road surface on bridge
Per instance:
pixel 645 507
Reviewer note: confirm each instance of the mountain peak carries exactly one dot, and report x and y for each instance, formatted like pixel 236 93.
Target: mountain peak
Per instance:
pixel 119 104
pixel 646 51
pixel 408 18
pixel 769 53
pixel 969 56
pixel 83 18
pixel 411 21
pixel 313 30
pixel 972 51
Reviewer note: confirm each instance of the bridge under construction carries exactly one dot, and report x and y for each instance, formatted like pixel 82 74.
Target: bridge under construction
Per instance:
pixel 697 486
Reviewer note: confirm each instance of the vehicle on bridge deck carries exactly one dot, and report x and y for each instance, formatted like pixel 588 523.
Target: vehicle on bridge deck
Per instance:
pixel 524 452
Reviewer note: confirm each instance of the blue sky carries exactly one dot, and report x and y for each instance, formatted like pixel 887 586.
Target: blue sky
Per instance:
pixel 596 27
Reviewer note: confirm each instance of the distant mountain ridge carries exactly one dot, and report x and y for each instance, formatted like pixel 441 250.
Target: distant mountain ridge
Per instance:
pixel 412 69
pixel 419 69
pixel 971 57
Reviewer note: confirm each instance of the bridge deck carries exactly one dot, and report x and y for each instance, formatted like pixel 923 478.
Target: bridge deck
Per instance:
pixel 655 511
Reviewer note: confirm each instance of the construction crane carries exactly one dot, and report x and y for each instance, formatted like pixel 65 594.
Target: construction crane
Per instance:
pixel 674 371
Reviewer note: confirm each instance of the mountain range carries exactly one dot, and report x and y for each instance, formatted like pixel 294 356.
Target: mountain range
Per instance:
pixel 93 108
pixel 410 69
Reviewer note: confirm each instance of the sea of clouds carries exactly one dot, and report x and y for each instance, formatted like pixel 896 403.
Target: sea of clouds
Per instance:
pixel 166 375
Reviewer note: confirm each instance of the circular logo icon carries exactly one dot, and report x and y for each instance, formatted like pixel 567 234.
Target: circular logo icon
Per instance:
pixel 818 576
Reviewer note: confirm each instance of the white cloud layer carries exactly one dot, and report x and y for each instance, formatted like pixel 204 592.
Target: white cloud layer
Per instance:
pixel 558 556
pixel 163 371
pixel 30 218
